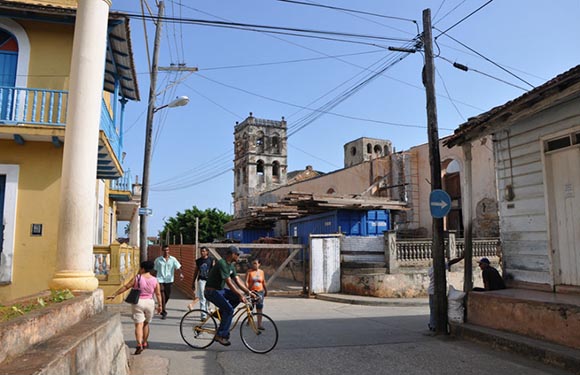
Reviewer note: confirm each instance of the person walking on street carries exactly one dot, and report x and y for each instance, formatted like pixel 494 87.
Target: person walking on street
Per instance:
pixel 165 266
pixel 256 282
pixel 204 264
pixel 224 273
pixel 492 280
pixel 144 309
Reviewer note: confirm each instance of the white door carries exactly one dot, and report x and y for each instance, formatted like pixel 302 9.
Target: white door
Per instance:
pixel 563 171
pixel 325 263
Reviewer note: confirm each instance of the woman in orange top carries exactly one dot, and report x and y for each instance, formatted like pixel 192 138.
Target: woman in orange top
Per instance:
pixel 256 282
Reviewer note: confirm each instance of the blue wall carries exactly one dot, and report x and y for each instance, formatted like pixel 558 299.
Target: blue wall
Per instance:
pixel 350 223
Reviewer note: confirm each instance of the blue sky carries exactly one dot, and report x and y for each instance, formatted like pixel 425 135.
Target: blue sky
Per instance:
pixel 281 75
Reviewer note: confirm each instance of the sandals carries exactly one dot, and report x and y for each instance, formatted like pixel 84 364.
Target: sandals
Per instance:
pixel 139 350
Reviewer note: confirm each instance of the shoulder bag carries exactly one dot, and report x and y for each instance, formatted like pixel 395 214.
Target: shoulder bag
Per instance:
pixel 134 294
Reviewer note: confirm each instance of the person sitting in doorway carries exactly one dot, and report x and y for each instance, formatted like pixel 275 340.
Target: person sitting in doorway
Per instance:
pixel 492 280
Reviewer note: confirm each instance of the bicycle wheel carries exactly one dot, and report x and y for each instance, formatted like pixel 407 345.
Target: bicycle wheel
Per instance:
pixel 259 341
pixel 197 332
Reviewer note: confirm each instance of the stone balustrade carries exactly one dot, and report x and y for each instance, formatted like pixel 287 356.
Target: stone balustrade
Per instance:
pixel 114 265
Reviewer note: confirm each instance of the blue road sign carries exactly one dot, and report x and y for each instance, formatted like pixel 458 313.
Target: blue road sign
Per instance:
pixel 439 203
pixel 145 211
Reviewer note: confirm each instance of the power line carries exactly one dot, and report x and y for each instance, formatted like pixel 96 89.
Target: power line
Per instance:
pixel 464 18
pixel 312 109
pixel 146 37
pixel 314 156
pixel 487 59
pixel 465 68
pixel 288 61
pixel 262 28
pixel 337 100
pixel 449 96
pixel 212 101
pixel 448 13
pixel 194 183
pixel 348 10
pixel 438 9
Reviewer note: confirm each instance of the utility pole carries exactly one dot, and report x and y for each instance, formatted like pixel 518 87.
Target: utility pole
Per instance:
pixel 435 162
pixel 148 138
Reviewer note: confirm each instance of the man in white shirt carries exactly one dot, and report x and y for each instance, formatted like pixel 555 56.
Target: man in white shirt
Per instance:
pixel 165 266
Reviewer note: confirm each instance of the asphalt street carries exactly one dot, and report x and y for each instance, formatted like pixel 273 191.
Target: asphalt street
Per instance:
pixel 322 337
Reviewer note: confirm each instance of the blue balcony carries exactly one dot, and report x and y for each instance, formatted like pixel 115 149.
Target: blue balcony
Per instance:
pixel 42 108
pixel 121 188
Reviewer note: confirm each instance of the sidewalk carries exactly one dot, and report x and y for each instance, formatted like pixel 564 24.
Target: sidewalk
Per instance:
pixel 372 301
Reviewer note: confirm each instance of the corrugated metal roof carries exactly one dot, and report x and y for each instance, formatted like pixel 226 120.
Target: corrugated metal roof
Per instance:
pixel 485 122
pixel 120 57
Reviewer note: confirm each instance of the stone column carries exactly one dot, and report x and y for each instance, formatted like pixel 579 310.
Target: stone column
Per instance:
pixel 134 230
pixel 467 196
pixel 78 187
pixel 391 251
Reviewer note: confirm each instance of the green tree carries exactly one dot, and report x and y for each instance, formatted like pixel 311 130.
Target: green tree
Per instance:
pixel 211 225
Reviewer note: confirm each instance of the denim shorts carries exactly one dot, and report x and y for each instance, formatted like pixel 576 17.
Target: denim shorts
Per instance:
pixel 259 303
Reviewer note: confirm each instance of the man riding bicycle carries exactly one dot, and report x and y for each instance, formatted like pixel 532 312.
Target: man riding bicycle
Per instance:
pixel 224 272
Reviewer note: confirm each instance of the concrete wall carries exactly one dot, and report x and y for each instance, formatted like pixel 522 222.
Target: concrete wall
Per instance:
pixel 408 283
pixel 73 333
pixel 532 315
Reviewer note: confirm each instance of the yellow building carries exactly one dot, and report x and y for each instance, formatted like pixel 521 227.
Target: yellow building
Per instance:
pixel 36 39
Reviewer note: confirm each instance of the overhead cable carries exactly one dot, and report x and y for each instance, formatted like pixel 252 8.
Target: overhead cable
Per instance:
pixel 348 10
pixel 262 28
pixel 488 59
pixel 464 18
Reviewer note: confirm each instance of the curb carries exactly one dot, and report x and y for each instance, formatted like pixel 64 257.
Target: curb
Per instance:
pixel 372 301
pixel 551 354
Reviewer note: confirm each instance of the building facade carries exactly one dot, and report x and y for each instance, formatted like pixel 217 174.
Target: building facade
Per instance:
pixel 536 139
pixel 36 44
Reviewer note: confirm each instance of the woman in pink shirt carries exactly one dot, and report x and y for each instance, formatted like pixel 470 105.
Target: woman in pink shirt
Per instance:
pixel 143 311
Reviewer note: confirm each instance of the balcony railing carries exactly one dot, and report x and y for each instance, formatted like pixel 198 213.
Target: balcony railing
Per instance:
pixel 32 106
pixel 47 107
pixel 114 265
pixel 123 183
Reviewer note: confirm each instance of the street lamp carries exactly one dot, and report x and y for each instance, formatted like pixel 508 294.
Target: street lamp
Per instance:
pixel 144 210
pixel 180 101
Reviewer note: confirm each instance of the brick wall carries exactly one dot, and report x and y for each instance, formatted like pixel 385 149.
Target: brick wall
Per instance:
pixel 185 254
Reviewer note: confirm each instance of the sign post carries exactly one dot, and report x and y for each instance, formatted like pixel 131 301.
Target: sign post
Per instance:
pixel 143 211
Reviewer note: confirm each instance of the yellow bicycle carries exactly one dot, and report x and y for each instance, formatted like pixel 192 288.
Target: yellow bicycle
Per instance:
pixel 198 328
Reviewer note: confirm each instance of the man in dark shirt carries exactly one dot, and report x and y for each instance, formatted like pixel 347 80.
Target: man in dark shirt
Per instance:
pixel 224 272
pixel 203 265
pixel 492 280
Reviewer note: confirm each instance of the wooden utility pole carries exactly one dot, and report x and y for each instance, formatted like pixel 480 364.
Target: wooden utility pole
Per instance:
pixel 435 162
pixel 148 138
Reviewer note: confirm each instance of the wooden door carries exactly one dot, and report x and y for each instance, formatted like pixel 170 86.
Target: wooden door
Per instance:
pixel 563 173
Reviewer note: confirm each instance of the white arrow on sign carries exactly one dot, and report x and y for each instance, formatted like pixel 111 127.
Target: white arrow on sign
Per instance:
pixel 440 204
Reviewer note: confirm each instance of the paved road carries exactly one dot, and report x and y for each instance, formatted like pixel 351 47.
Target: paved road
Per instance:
pixel 320 337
